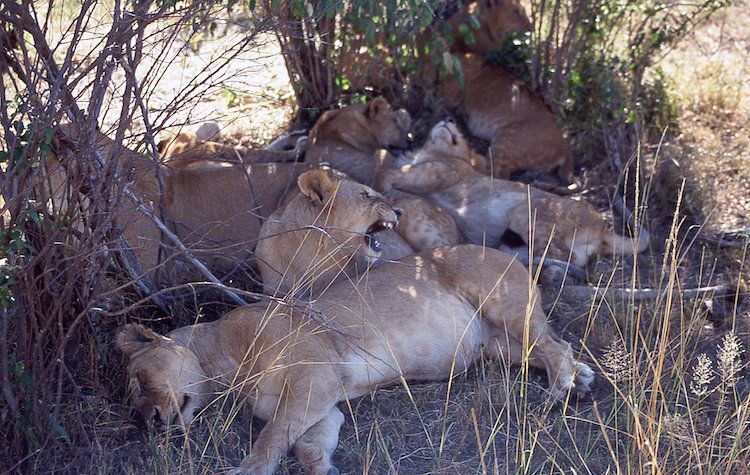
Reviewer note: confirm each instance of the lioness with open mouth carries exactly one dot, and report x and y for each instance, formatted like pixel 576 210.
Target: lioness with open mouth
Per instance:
pixel 333 226
pixel 425 317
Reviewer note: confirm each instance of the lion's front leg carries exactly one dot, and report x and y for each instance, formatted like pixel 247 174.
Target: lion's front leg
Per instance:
pixel 306 401
pixel 315 447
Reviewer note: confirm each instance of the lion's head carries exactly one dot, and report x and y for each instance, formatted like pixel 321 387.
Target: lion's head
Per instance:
pixel 497 19
pixel 165 379
pixel 333 223
pixel 446 140
pixel 351 213
pixel 366 127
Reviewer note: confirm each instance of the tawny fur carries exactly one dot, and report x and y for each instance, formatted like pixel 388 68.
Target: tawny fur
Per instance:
pixel 209 204
pixel 426 317
pixel 348 138
pixel 320 234
pixel 446 172
pixel 186 147
pixel 522 131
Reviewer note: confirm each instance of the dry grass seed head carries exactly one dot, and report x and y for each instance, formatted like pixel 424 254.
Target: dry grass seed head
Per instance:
pixel 728 357
pixel 703 375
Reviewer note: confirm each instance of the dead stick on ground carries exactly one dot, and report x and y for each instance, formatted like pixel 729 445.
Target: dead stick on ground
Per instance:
pixel 573 271
pixel 583 292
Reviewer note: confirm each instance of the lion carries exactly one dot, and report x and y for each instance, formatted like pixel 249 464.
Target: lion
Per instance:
pixel 348 138
pixel 489 23
pixel 332 226
pixel 486 210
pixel 426 317
pixel 215 208
pixel 501 109
pixel 187 147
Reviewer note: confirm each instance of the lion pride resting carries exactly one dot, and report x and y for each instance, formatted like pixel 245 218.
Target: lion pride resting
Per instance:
pixel 420 319
pixel 216 208
pixel 485 209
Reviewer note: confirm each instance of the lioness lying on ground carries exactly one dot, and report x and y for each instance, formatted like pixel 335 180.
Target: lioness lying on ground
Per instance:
pixel 214 207
pixel 522 131
pixel 426 317
pixel 186 147
pixel 486 209
pixel 348 138
pixel 332 226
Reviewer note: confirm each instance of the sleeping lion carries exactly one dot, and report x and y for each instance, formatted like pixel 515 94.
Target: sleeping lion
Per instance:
pixel 425 317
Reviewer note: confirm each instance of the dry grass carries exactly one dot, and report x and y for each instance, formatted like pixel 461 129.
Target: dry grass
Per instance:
pixel 708 78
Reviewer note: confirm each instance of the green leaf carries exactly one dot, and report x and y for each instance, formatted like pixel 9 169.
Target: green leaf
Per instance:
pixel 48 135
pixel 298 8
pixel 60 430
pixel 425 18
pixel 458 73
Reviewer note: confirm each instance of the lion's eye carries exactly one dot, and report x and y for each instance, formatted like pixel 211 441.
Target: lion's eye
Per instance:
pixel 367 194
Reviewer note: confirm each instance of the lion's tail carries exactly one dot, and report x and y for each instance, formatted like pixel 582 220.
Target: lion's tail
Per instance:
pixel 620 245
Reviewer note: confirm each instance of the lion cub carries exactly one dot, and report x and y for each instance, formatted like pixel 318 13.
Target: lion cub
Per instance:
pixel 333 226
pixel 348 138
pixel 522 131
pixel 446 171
pixel 426 317
pixel 187 147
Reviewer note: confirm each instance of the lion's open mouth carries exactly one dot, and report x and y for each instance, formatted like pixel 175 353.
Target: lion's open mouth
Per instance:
pixel 375 228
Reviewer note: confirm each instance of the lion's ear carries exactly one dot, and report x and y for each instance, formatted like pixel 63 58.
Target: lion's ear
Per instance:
pixel 162 145
pixel 317 185
pixel 376 107
pixel 134 337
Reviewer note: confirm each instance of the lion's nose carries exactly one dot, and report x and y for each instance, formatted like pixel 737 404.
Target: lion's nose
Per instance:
pixel 449 120
pixel 398 212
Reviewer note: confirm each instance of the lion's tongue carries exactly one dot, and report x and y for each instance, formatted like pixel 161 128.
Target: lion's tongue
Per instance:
pixel 372 231
pixel 373 242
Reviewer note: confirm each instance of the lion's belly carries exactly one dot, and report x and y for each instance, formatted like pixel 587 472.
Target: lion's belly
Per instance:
pixel 481 214
pixel 421 345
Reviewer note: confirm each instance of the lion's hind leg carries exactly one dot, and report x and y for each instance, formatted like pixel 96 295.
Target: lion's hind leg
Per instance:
pixel 520 335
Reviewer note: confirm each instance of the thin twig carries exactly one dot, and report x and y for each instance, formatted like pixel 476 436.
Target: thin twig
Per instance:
pixel 178 243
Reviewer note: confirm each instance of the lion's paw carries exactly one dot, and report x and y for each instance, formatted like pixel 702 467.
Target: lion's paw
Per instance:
pixel 584 376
